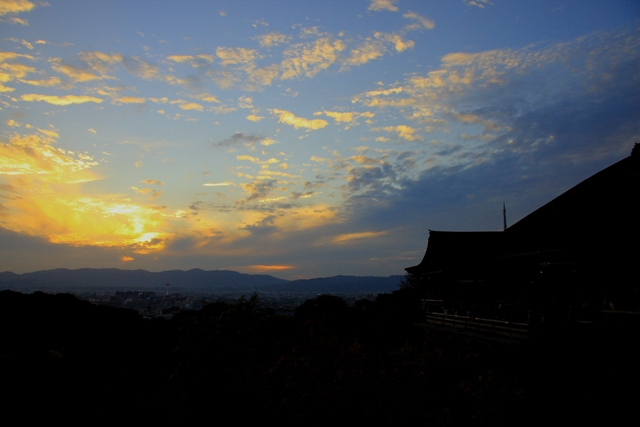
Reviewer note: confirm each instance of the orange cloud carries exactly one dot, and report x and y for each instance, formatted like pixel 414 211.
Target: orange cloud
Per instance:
pixel 254 118
pixel 60 100
pixel 272 39
pixel 308 59
pixel 237 56
pixel 153 194
pixel 79 74
pixel 298 122
pixel 206 97
pixel 398 42
pixel 15 6
pixel 217 184
pixel 53 81
pixel 129 100
pixel 50 133
pixel 366 52
pixel 35 155
pixel 191 106
pixel 421 21
pixel 405 132
pixel 459 58
pixel 194 60
pixel 17 71
pixel 180 58
pixel 252 159
pixel 346 238
pixel 383 5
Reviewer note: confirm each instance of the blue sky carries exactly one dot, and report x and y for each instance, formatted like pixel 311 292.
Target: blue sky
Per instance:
pixel 299 139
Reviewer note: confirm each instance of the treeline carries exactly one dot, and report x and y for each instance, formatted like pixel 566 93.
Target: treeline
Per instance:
pixel 62 358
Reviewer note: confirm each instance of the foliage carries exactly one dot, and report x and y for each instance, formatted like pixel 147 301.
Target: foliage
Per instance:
pixel 329 363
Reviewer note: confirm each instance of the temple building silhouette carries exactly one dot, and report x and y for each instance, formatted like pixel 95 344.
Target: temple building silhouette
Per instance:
pixel 582 245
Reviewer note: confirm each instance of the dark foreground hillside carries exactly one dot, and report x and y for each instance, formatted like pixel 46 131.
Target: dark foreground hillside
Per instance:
pixel 66 359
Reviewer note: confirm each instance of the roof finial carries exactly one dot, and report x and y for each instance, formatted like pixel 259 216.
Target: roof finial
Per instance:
pixel 504 216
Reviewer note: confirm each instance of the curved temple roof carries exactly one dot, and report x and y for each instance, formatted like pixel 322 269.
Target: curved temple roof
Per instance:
pixel 595 221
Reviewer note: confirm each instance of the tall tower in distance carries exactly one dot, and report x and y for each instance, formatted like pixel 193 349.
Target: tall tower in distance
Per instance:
pixel 504 216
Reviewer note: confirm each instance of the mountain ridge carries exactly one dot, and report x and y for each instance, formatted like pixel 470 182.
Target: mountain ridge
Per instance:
pixel 195 279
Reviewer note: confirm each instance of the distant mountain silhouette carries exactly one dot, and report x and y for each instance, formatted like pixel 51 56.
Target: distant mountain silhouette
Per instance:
pixel 197 279
pixel 340 284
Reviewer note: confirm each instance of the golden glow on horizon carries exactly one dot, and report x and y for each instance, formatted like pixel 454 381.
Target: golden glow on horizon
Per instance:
pixel 105 223
pixel 270 267
pixel 46 199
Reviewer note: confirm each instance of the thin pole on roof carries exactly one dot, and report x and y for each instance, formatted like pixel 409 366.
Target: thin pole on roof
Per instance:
pixel 504 216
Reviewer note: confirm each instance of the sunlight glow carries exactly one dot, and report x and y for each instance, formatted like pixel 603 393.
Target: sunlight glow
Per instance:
pixel 270 267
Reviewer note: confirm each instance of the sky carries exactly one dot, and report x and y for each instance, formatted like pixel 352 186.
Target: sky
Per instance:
pixel 298 139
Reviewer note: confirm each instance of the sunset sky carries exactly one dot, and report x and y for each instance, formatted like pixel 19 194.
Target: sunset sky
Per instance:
pixel 298 138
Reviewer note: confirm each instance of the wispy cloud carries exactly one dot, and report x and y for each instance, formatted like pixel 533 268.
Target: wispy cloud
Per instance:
pixel 289 118
pixel 195 61
pixel 405 132
pixel 378 5
pixel 420 22
pixel 36 155
pixel 252 159
pixel 273 39
pixel 191 106
pixel 129 100
pixel 238 57
pixel 150 192
pixel 254 118
pixel 242 139
pixel 95 68
pixel 60 100
pixel 497 89
pixel 14 7
pixel 349 237
pixel 348 118
pixel 50 82
pixel 259 189
pixel 218 184
pixel 308 59
pixel 477 3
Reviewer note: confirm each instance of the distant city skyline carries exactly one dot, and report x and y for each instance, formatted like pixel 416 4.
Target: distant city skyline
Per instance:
pixel 298 139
